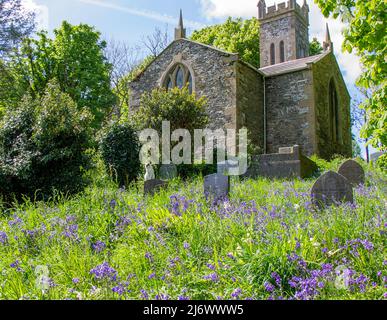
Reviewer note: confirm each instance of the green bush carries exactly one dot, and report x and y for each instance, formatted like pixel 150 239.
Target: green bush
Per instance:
pixel 178 106
pixel 120 150
pixel 43 146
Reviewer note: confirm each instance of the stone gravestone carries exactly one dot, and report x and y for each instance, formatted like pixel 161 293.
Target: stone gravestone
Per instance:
pixel 153 185
pixel 331 188
pixel 353 172
pixel 217 185
pixel 168 171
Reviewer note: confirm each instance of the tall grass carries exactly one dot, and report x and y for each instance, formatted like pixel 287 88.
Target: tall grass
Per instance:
pixel 265 242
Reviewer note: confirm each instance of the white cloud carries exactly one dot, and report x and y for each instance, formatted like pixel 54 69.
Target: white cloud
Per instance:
pixel 349 63
pixel 143 13
pixel 42 14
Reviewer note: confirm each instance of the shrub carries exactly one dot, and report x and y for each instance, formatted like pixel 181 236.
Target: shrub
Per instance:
pixel 120 150
pixel 178 106
pixel 43 146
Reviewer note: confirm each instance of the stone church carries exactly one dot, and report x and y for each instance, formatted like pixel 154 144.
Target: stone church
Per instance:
pixel 292 99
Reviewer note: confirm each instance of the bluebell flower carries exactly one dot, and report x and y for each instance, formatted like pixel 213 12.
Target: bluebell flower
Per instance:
pixel 104 272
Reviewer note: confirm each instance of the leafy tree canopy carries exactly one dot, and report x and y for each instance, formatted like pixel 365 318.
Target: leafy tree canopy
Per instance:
pixel 16 23
pixel 366 34
pixel 75 58
pixel 239 36
pixel 315 47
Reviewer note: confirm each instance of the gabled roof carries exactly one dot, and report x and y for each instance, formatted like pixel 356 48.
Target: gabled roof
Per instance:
pixel 236 55
pixel 291 66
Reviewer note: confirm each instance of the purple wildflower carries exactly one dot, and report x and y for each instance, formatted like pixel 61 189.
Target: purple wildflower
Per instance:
pixel 144 294
pixel 99 246
pixel 211 266
pixel 231 256
pixel 76 280
pixel 152 275
pixel 236 293
pixel 276 278
pixel 186 245
pixel 3 237
pixel 269 287
pixel 162 296
pixel 104 272
pixel 148 256
pixel 212 277
pixel 120 289
pixel 182 298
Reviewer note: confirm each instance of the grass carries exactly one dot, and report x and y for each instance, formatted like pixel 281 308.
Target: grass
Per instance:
pixel 266 242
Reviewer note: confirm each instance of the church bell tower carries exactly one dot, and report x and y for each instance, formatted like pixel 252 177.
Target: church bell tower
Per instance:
pixel 284 32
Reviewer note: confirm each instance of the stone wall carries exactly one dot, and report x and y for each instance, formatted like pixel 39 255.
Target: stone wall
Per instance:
pixel 323 72
pixel 250 102
pixel 290 112
pixel 213 72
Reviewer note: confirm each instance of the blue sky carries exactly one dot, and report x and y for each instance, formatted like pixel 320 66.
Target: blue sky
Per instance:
pixel 131 20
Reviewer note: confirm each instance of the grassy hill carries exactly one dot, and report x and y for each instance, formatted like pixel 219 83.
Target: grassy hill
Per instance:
pixel 266 242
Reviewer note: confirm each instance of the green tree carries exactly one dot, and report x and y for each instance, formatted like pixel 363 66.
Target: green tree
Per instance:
pixel 315 47
pixel 75 58
pixel 43 146
pixel 239 36
pixel 366 34
pixel 16 23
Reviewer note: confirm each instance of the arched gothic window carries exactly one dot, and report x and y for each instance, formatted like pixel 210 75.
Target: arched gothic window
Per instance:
pixel 282 51
pixel 272 54
pixel 179 76
pixel 334 111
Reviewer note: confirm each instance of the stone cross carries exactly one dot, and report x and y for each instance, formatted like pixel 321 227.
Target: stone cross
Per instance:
pixel 331 188
pixel 217 185
pixel 353 171
pixel 168 171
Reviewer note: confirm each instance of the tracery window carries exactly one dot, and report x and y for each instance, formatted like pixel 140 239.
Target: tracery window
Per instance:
pixel 179 76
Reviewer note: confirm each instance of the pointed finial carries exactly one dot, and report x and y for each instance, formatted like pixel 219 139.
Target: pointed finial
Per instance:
pixel 181 25
pixel 261 9
pixel 180 31
pixel 328 44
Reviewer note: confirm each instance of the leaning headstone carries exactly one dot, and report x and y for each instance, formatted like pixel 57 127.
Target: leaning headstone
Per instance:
pixel 168 171
pixel 331 188
pixel 217 185
pixel 154 185
pixel 353 171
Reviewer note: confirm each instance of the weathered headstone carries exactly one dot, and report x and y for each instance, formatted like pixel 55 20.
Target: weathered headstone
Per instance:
pixel 353 171
pixel 217 185
pixel 168 171
pixel 331 188
pixel 153 185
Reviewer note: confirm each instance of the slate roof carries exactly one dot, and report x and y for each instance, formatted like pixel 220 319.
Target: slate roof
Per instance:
pixel 291 66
